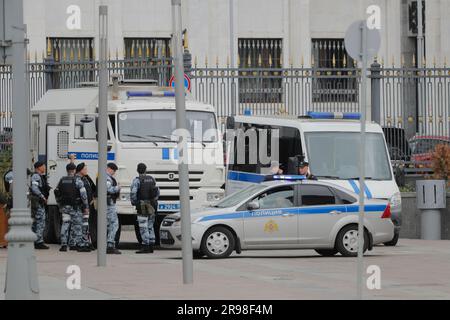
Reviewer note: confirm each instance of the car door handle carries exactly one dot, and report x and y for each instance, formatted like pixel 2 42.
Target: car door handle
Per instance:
pixel 286 215
pixel 335 212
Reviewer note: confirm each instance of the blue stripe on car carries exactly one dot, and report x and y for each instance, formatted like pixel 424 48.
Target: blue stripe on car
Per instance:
pixel 299 211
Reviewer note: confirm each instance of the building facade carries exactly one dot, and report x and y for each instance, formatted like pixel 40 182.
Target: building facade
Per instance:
pixel 267 32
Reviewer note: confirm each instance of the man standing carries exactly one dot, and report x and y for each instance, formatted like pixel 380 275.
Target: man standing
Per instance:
pixel 144 194
pixel 82 172
pixel 39 192
pixel 73 201
pixel 113 192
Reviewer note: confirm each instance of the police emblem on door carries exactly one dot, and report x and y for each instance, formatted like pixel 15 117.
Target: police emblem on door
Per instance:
pixel 171 176
pixel 271 226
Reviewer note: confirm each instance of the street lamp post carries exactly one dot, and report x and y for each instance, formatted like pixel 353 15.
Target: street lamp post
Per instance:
pixel 180 101
pixel 21 272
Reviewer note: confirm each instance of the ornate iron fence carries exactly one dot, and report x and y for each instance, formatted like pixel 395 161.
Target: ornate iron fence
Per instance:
pixel 406 101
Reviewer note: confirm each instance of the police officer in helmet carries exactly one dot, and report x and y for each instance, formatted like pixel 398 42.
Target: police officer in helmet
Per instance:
pixel 144 196
pixel 73 200
pixel 113 192
pixel 39 192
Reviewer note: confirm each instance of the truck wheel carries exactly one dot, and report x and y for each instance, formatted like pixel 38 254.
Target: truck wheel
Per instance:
pixel 93 228
pixel 394 241
pixel 326 252
pixel 347 241
pixel 218 242
pixel 52 231
pixel 117 238
pixel 138 232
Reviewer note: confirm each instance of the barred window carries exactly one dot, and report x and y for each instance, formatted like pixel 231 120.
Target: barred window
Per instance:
pixel 262 86
pixel 143 55
pixel 71 49
pixel 147 48
pixel 336 77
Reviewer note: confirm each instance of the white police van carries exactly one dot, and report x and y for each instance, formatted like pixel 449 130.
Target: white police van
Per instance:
pixel 141 126
pixel 328 141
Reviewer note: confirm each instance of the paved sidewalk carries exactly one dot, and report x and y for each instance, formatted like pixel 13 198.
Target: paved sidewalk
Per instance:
pixel 415 269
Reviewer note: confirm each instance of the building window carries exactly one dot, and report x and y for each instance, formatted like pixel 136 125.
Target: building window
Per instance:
pixel 144 55
pixel 335 75
pixel 147 48
pixel 260 86
pixel 71 49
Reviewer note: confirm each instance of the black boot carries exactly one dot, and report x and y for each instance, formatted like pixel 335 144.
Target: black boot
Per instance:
pixel 110 250
pixel 73 248
pixel 84 249
pixel 40 246
pixel 145 249
pixel 63 248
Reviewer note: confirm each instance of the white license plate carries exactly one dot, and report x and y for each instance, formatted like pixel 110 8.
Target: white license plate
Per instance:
pixel 169 207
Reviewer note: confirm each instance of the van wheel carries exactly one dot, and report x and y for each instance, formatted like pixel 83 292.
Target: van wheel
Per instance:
pixel 52 231
pixel 347 241
pixel 218 242
pixel 327 252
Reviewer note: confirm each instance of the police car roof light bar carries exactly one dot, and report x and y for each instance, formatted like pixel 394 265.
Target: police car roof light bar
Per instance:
pixel 334 115
pixel 289 178
pixel 141 94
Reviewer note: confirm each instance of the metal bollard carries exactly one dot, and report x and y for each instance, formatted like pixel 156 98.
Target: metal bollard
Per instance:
pixel 431 197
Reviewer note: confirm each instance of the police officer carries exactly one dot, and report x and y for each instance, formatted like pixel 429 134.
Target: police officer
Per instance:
pixel 303 170
pixel 113 192
pixel 39 192
pixel 8 179
pixel 82 172
pixel 144 196
pixel 73 201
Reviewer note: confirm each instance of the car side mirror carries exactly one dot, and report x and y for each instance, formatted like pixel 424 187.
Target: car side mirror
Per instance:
pixel 254 205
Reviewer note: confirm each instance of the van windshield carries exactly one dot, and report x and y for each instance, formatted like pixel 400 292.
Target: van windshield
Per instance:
pixel 160 126
pixel 336 155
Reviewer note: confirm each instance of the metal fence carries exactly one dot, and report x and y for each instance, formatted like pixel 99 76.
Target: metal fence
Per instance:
pixel 405 101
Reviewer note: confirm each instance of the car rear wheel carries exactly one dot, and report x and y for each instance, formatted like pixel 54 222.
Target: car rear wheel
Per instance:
pixel 347 241
pixel 327 252
pixel 218 242
pixel 393 242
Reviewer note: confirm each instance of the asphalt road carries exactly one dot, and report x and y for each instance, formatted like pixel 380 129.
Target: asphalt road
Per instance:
pixel 415 269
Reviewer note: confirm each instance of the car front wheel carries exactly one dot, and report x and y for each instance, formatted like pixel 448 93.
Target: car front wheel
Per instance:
pixel 218 242
pixel 347 241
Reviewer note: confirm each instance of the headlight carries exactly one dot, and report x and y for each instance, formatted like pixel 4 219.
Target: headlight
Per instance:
pixel 396 202
pixel 212 197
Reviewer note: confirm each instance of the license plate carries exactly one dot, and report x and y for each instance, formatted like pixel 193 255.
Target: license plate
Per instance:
pixel 169 206
pixel 164 235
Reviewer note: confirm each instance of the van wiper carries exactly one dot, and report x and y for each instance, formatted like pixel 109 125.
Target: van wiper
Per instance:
pixel 140 137
pixel 160 137
pixel 357 178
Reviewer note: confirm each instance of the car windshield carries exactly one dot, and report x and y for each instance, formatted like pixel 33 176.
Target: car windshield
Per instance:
pixel 425 145
pixel 160 125
pixel 336 154
pixel 239 196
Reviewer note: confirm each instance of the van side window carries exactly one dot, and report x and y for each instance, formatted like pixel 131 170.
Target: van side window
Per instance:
pixel 315 195
pixel 85 127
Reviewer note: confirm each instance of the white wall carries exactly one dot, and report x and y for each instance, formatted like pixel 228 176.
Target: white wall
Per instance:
pixel 207 21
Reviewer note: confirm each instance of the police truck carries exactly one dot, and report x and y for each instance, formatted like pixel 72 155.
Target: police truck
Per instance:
pixel 141 128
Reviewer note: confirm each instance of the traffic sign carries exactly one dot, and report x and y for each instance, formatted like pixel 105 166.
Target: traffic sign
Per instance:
pixel 187 82
pixel 354 38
